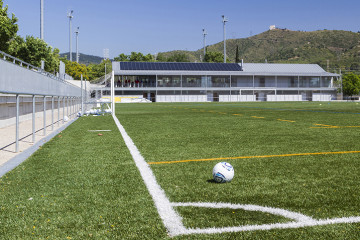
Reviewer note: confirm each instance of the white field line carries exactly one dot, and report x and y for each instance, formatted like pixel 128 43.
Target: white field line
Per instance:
pixel 300 219
pixel 99 130
pixel 173 222
pixel 170 218
pixel 275 226
pixel 276 211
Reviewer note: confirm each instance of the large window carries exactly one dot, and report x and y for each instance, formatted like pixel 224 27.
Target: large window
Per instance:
pixel 218 81
pixel 169 81
pixel 314 81
pixel 191 81
pixel 304 82
pixel 264 81
pixel 325 82
pixel 135 81
pixel 242 81
pixel 288 82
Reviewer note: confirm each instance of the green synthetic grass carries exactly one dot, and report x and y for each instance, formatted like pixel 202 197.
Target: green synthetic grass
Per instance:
pixel 78 186
pixel 320 186
pixel 84 186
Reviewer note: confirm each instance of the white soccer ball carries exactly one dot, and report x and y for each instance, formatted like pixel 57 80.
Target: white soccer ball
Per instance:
pixel 223 172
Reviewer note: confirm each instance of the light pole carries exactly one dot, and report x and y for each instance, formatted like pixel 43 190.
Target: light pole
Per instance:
pixel 42 19
pixel 224 20
pixel 70 16
pixel 77 45
pixel 204 34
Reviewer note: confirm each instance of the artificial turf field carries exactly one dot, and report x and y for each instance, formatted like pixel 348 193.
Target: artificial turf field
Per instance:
pixel 301 157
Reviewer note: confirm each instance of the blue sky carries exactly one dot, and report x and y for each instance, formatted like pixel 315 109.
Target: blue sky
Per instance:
pixel 151 26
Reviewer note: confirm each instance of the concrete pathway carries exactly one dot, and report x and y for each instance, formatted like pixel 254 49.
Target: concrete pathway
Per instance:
pixel 8 134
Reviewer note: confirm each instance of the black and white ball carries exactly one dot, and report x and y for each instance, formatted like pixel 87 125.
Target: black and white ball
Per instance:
pixel 223 172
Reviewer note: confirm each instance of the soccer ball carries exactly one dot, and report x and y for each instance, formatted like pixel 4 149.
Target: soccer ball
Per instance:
pixel 223 172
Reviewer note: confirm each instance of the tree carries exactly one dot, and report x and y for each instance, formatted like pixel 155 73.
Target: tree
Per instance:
pixel 178 57
pixel 149 58
pixel 33 50
pixel 214 57
pixel 75 70
pixel 351 84
pixel 122 58
pixel 237 58
pixel 161 57
pixel 8 27
pixel 96 71
pixel 135 57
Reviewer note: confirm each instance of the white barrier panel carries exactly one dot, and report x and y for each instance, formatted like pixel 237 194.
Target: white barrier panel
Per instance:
pixel 16 79
pixel 321 97
pixel 181 98
pixel 287 98
pixel 237 98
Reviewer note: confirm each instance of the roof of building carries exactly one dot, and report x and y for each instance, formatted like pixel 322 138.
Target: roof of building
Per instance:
pixel 282 68
pixel 271 69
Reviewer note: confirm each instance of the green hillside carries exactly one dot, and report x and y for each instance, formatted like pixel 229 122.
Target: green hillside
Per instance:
pixel 338 49
pixel 84 58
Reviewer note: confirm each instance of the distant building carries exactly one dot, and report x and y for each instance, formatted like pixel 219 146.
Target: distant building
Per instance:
pixel 223 82
pixel 272 27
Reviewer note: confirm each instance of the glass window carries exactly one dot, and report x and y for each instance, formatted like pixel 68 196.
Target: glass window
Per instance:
pixel 241 81
pixel 314 81
pixel 287 82
pixel 137 81
pixel 304 82
pixel 191 81
pixel 168 81
pixel 218 81
pixel 264 81
pixel 326 82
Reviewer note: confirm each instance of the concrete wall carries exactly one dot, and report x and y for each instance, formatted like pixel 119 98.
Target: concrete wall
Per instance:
pixel 20 80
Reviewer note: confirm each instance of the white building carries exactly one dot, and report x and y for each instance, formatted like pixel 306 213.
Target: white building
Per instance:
pixel 224 82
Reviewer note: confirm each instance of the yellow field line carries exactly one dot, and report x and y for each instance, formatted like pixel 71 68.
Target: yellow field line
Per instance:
pixel 286 120
pixel 257 117
pixel 324 126
pixel 249 157
pixel 331 126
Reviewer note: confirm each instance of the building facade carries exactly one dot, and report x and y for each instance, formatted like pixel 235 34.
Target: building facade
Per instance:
pixel 223 82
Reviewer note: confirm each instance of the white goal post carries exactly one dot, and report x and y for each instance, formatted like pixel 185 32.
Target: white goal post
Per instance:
pixel 112 97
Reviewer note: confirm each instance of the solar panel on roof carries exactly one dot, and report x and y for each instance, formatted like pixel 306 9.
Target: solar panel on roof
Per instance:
pixel 159 66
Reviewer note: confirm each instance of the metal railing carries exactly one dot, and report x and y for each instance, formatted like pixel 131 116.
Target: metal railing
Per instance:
pixel 20 78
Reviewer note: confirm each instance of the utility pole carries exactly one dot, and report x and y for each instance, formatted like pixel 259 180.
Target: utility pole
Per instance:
pixel 224 20
pixel 204 34
pixel 77 44
pixel 42 19
pixel 70 16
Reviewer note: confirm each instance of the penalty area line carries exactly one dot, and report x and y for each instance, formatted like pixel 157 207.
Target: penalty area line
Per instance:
pixel 321 222
pixel 249 157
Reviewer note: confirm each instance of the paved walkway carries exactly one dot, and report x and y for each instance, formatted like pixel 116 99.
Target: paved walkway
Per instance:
pixel 8 134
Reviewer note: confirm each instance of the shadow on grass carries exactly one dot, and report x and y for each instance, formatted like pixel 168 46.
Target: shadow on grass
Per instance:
pixel 212 181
